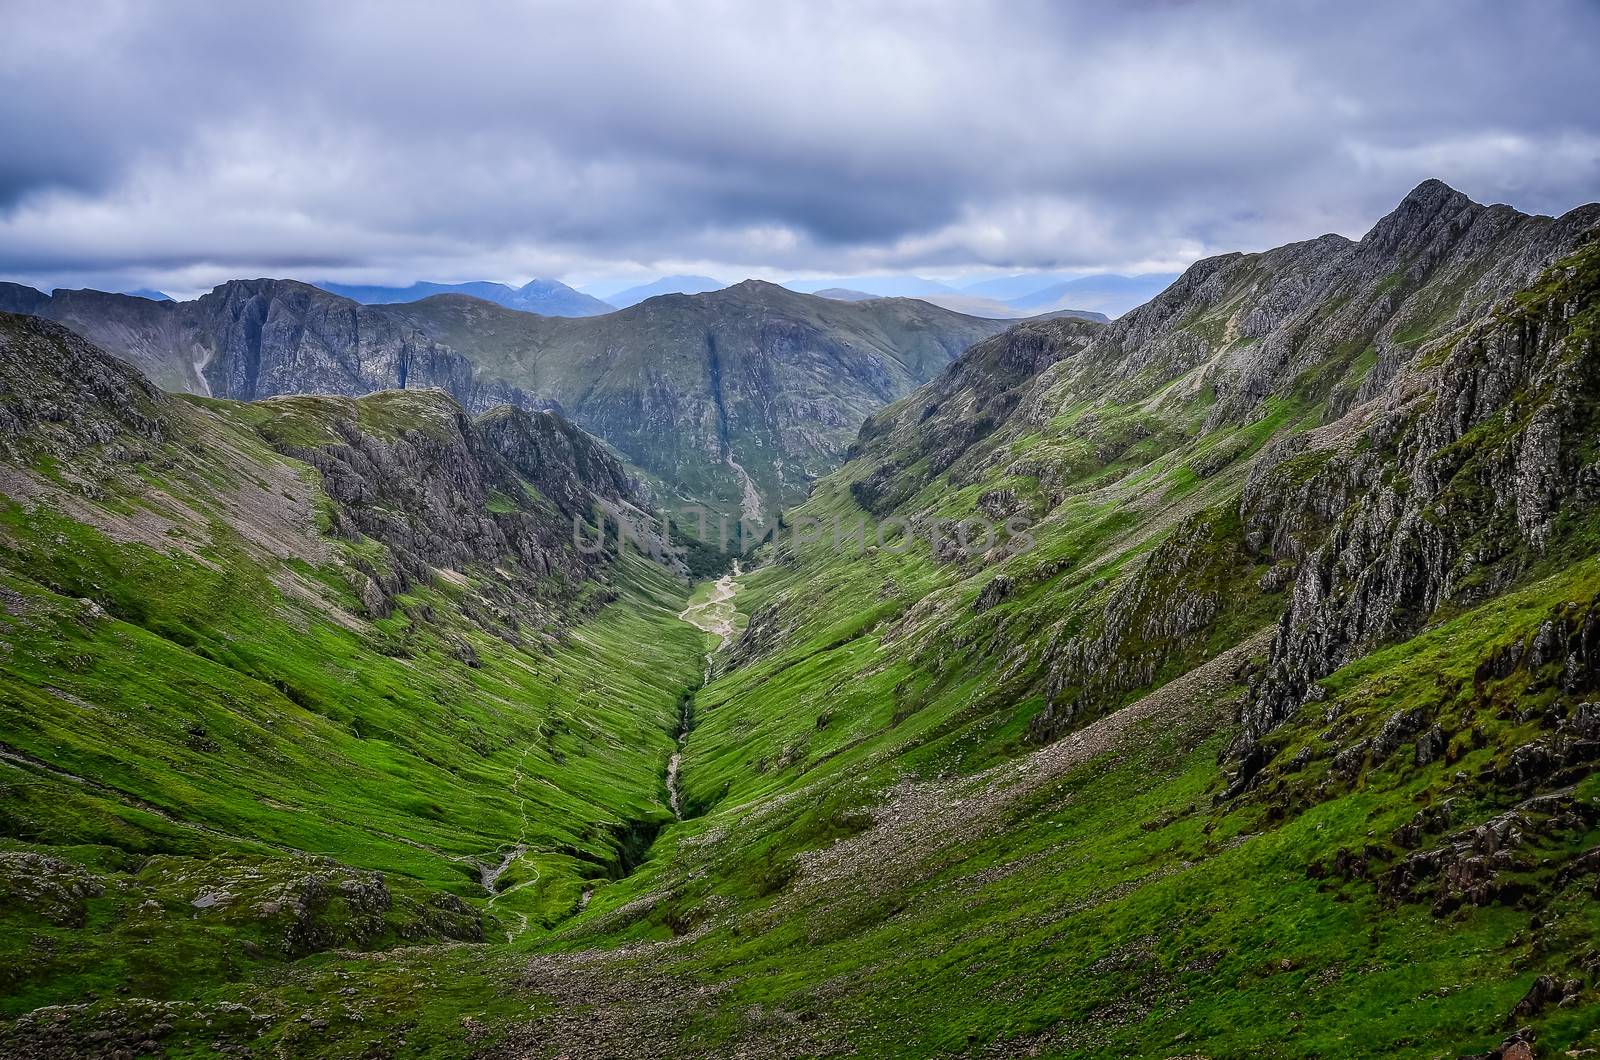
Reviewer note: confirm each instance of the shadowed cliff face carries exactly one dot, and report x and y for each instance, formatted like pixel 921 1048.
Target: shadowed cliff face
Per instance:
pixel 1384 427
pixel 1285 711
pixel 689 388
pixel 407 469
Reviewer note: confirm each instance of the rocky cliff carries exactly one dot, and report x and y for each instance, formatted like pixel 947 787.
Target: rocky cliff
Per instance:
pixel 1360 435
pixel 1474 468
pixel 737 398
pixel 406 470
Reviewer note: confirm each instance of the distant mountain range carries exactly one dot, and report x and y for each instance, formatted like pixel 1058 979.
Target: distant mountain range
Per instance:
pixel 629 296
pixel 550 298
pixel 878 286
pixel 735 399
pixel 1094 297
pixel 1106 293
pixel 987 308
pixel 1004 298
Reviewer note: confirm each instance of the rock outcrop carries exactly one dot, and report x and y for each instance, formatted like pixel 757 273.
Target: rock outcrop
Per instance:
pixel 514 491
pixel 1385 427
pixel 752 388
pixel 1449 493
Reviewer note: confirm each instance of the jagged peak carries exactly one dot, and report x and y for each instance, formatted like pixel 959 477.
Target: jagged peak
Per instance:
pixel 1435 193
pixel 275 285
pixel 1429 202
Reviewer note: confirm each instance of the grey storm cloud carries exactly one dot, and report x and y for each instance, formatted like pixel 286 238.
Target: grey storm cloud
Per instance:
pixel 176 144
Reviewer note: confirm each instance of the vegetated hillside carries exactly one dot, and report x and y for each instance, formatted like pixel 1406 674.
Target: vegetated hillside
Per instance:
pixel 1279 739
pixel 303 675
pixel 753 385
pixel 735 399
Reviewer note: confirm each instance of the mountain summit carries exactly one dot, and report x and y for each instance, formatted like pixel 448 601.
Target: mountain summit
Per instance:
pixel 1222 679
pixel 550 298
pixel 734 399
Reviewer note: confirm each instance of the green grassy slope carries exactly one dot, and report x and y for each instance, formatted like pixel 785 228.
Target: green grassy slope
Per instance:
pixel 884 864
pixel 216 759
pixel 1274 737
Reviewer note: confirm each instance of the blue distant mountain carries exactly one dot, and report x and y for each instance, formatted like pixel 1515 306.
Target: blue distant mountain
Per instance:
pixel 153 295
pixel 1005 288
pixel 666 285
pixel 877 286
pixel 550 298
pixel 845 294
pixel 1105 293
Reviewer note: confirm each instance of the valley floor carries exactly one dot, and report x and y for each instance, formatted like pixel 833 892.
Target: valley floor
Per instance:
pixel 1090 896
pixel 1083 899
pixel 1278 737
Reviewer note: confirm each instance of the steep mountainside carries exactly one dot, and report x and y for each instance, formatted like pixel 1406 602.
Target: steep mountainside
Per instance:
pixel 736 399
pixel 550 298
pixel 303 675
pixel 1326 515
pixel 741 396
pixel 1220 681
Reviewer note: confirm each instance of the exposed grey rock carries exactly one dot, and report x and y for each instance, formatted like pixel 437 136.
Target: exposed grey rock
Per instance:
pixel 1401 725
pixel 1407 520
pixel 689 388
pixel 1407 342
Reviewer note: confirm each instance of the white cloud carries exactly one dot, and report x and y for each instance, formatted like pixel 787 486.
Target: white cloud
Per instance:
pixel 182 144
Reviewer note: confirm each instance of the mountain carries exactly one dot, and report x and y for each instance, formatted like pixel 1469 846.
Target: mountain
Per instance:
pixel 552 298
pixel 1286 666
pixel 880 286
pixel 259 338
pixel 153 295
pixel 974 306
pixel 155 337
pixel 549 298
pixel 304 627
pixel 988 307
pixel 1109 294
pixel 961 303
pixel 1005 288
pixel 734 399
pixel 1218 681
pixel 666 285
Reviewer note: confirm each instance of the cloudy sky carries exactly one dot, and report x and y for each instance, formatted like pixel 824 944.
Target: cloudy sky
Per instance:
pixel 176 145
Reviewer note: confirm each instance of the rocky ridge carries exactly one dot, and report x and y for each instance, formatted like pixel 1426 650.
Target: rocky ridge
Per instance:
pixel 408 470
pixel 689 388
pixel 1438 426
